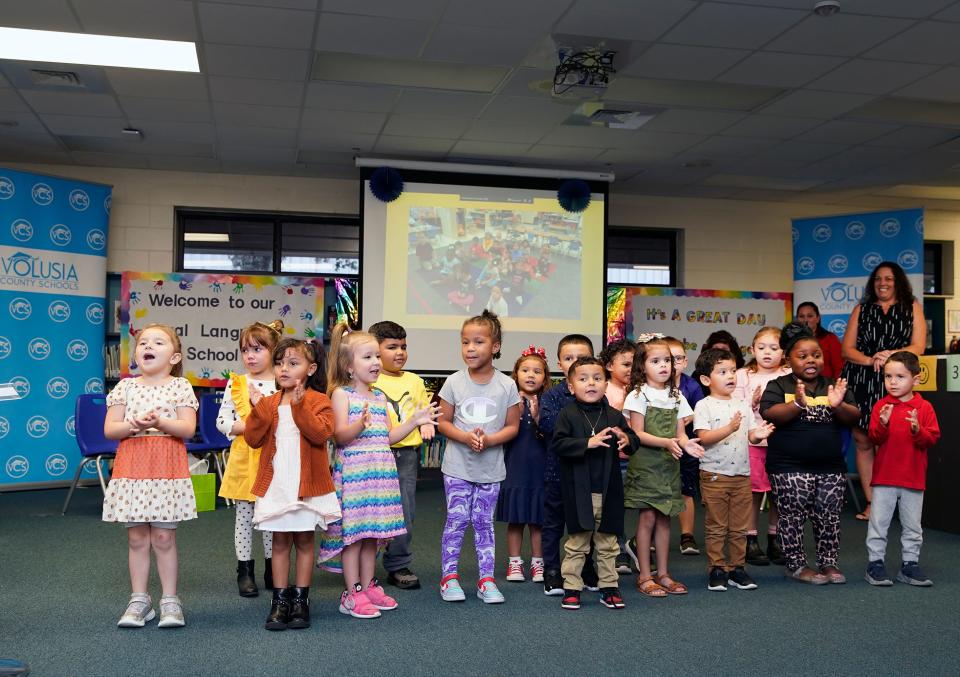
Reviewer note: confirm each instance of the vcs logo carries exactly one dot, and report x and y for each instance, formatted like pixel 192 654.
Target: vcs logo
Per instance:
pixel 71 426
pixel 20 308
pixel 79 200
pixel 95 313
pixel 93 386
pixel 38 426
pixel 908 259
pixel 7 189
pixel 4 427
pixel 855 230
pixel 22 230
pixel 871 260
pixel 60 235
pixel 77 350
pixel 58 388
pixel 838 327
pixel 96 239
pixel 5 347
pixel 837 263
pixel 59 310
pixel 889 227
pixel 42 194
pixel 21 385
pixel 56 464
pixel 38 348
pixel 17 467
pixel 805 266
pixel 822 233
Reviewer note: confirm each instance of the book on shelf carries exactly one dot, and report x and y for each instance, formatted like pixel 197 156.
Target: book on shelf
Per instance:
pixel 111 361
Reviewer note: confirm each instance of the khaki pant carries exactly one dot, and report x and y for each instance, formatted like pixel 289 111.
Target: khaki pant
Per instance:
pixel 728 502
pixel 578 546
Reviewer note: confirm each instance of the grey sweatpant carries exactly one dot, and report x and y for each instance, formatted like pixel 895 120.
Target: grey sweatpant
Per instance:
pixel 885 500
pixel 398 554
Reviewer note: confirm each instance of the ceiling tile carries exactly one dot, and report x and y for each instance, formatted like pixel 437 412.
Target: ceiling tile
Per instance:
pixel 83 126
pixel 283 4
pixel 243 114
pixel 266 27
pixel 872 77
pixel 94 159
pixel 949 14
pixel 166 109
pixel 855 160
pixel 632 156
pixel 10 100
pixel 178 132
pixel 167 20
pixel 846 132
pixel 322 139
pixel 529 82
pixel 29 139
pixel 780 70
pixel 771 126
pixel 842 35
pixel 814 104
pixel 727 147
pixel 543 151
pixel 916 137
pixel 624 19
pixel 491 13
pixel 75 103
pixel 136 82
pixel 926 42
pixel 174 162
pixel 248 90
pixel 371 35
pixel 940 86
pixel 506 46
pixel 915 9
pixel 426 10
pixel 804 151
pixel 48 15
pixel 489 149
pixel 692 121
pixel 342 121
pixel 546 110
pixel 934 113
pixel 332 96
pixel 683 62
pixel 460 104
pixel 257 154
pixel 429 126
pixel 511 132
pixel 737 26
pixel 415 145
pixel 257 62
pixel 19 122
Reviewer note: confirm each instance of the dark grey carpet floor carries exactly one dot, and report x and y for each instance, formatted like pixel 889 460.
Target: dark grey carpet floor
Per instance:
pixel 63 584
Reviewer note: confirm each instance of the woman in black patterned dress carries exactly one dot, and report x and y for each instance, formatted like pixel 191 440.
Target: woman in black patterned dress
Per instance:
pixel 889 318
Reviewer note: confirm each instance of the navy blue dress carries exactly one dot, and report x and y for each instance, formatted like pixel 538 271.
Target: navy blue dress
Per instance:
pixel 521 493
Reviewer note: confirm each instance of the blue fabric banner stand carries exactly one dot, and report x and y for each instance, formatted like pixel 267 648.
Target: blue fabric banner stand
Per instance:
pixel 53 258
pixel 834 255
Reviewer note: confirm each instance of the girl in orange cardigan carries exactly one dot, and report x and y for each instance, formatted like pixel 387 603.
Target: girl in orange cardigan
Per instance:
pixel 294 488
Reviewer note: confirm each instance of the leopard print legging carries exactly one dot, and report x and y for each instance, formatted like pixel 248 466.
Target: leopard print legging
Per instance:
pixel 818 497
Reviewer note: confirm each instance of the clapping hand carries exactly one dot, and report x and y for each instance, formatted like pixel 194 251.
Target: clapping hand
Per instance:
pixel 600 439
pixel 885 412
pixel 533 406
pixel 836 392
pixel 735 422
pixel 478 440
pixel 255 394
pixel 914 421
pixel 296 396
pixel 147 420
pixel 800 396
pixel 755 400
pixel 427 416
pixel 763 431
pixel 622 440
pixel 693 448
pixel 365 418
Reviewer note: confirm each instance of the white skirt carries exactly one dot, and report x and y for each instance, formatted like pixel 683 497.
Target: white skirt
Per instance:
pixel 280 508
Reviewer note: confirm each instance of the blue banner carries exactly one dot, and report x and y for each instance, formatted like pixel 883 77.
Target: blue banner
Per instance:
pixel 834 255
pixel 53 258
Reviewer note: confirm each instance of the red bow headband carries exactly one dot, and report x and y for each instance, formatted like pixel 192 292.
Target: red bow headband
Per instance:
pixel 534 350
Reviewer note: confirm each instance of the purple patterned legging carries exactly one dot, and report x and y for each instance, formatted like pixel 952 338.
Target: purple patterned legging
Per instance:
pixel 468 503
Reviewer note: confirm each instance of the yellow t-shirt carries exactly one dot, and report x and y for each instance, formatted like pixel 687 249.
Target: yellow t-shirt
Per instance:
pixel 405 394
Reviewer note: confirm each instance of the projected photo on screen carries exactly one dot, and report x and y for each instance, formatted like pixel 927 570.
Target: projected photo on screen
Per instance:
pixel 515 262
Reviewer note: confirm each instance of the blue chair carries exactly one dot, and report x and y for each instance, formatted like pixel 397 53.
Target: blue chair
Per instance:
pixel 211 441
pixel 89 415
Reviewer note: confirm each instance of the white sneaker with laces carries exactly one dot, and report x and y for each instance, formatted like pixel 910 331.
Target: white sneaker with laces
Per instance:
pixel 515 570
pixel 138 613
pixel 450 590
pixel 488 592
pixel 171 612
pixel 536 570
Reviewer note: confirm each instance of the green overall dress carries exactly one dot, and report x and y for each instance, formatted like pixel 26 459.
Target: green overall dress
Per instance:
pixel 653 474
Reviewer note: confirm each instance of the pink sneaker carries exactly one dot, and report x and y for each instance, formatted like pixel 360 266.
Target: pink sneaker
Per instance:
pixel 357 605
pixel 378 598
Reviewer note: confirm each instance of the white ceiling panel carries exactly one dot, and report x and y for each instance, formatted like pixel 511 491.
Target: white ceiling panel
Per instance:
pixel 524 109
pixel 322 139
pixel 282 4
pixel 841 35
pixel 19 122
pixel 692 94
pixel 76 125
pixel 916 137
pixel 511 132
pixel 342 121
pixel 951 13
pixel 94 159
pixel 737 26
pixel 623 19
pixel 915 9
pixel 543 151
pixel 422 102
pixel 927 42
pixel 628 156
pixel 489 149
pixel 428 126
pixel 253 91
pixel 426 10
pixel 262 26
pixel 816 104
pixel 257 62
pixel 167 20
pixel 178 86
pixel 180 132
pixel 243 114
pixel 23 139
pixel 872 77
pixel 76 104
pixel 804 151
pixel 682 62
pixel 940 86
pixel 845 132
pixel 855 160
pixel 729 147
pixel 351 97
pixel 413 145
pixel 165 109
pixel 257 154
pixel 471 44
pixel 692 121
pixel 10 100
pixel 524 81
pixel 48 15
pixel 771 126
pixel 371 35
pixel 175 162
pixel 780 70
pixel 491 13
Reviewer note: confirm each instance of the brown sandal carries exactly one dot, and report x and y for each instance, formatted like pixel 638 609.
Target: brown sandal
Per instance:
pixel 806 575
pixel 649 587
pixel 833 574
pixel 671 586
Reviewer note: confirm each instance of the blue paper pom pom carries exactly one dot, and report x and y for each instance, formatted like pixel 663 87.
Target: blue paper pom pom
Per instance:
pixel 386 184
pixel 574 195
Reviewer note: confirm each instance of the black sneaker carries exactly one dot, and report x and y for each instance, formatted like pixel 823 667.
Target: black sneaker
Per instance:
pixel 688 545
pixel 739 578
pixel 755 555
pixel 774 553
pixel 571 600
pixel 718 580
pixel 911 574
pixel 552 583
pixel 877 574
pixel 591 581
pixel 403 579
pixel 610 598
pixel 624 564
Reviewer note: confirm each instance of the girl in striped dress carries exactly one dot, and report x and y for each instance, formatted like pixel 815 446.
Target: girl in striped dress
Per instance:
pixel 364 472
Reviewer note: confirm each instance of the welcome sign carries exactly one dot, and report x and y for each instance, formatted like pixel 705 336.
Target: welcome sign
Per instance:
pixel 53 246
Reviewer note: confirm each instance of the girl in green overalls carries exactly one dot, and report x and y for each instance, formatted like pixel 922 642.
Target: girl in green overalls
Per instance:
pixel 656 409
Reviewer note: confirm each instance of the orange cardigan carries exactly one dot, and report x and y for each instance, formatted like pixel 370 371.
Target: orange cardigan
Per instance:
pixel 314 418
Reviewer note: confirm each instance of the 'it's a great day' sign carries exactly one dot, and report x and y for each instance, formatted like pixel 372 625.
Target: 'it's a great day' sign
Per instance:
pixel 209 311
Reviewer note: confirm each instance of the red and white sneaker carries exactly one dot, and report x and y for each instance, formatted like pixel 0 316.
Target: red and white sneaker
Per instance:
pixel 378 598
pixel 515 570
pixel 536 569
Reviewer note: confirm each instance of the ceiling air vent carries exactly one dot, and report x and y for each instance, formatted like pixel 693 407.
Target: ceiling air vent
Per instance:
pixel 60 79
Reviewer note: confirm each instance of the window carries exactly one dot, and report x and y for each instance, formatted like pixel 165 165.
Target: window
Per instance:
pixel 216 241
pixel 642 256
pixel 932 273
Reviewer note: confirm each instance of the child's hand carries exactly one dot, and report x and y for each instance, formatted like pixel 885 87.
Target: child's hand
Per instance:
pixel 914 422
pixel 763 431
pixel 735 422
pixel 693 448
pixel 836 392
pixel 673 446
pixel 428 415
pixel 296 395
pixel 428 432
pixel 533 406
pixel 622 440
pixel 255 394
pixel 755 400
pixel 600 439
pixel 885 412
pixel 477 441
pixel 238 428
pixel 800 397
pixel 148 420
pixel 365 418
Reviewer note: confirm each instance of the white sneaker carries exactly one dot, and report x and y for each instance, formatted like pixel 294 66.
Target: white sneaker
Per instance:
pixel 536 570
pixel 450 589
pixel 515 570
pixel 138 613
pixel 171 613
pixel 488 592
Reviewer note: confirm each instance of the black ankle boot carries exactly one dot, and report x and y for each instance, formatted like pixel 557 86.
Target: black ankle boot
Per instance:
pixel 279 609
pixel 268 573
pixel 300 609
pixel 246 582
pixel 755 554
pixel 774 553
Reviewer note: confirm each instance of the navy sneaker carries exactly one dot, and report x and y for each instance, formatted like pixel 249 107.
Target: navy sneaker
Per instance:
pixel 718 580
pixel 877 574
pixel 552 584
pixel 912 574
pixel 739 578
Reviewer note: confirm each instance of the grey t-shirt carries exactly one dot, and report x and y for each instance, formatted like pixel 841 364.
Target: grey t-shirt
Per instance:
pixel 477 405
pixel 731 455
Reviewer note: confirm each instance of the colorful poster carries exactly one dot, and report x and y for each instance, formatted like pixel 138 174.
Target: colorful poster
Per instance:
pixel 834 255
pixel 209 311
pixel 53 254
pixel 691 315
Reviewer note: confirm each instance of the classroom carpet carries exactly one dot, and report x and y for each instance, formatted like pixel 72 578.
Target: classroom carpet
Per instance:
pixel 64 584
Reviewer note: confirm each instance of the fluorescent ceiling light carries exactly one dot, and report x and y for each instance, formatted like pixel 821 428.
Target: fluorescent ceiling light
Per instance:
pixel 23 44
pixel 206 237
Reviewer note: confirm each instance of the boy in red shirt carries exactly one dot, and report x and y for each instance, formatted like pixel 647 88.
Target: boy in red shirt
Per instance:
pixel 903 425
